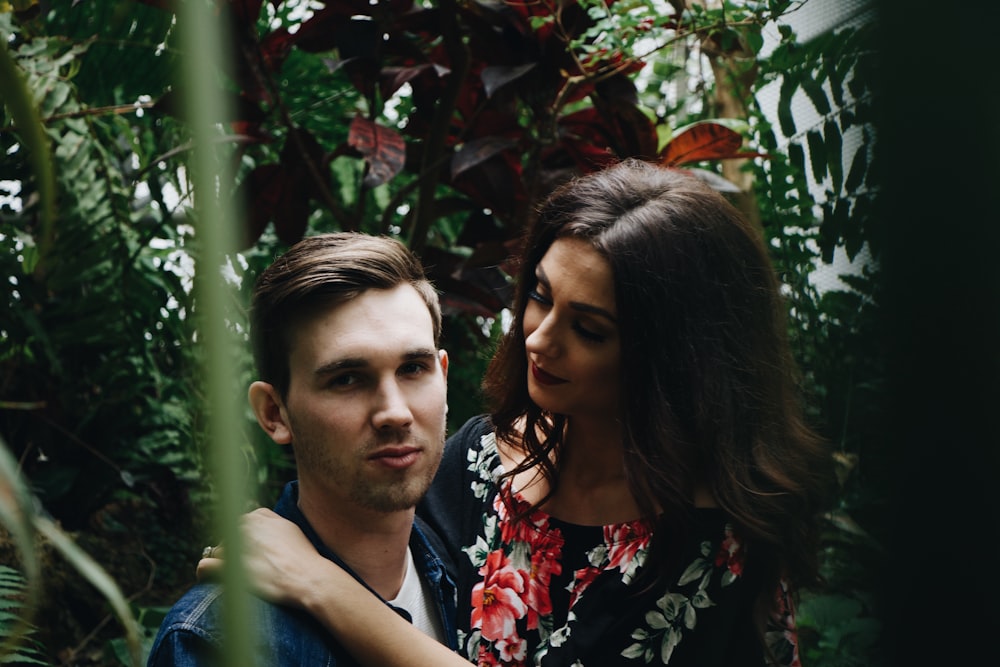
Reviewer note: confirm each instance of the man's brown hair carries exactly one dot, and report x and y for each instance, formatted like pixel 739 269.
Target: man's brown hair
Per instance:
pixel 317 273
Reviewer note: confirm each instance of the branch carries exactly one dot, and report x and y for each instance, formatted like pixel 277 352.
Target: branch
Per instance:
pixel 267 83
pixel 434 154
pixel 115 110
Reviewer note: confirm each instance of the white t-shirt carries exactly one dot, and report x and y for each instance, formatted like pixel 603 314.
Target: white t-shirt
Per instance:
pixel 415 597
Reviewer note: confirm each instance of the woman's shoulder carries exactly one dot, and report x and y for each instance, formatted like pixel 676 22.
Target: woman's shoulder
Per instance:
pixel 469 437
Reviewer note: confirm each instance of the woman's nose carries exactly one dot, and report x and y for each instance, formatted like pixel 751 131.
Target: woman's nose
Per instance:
pixel 543 339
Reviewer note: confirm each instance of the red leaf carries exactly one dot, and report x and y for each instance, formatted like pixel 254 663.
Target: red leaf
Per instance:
pixel 588 156
pixel 383 149
pixel 392 78
pixel 702 141
pixel 292 213
pixel 246 11
pixel 630 132
pixel 274 48
pixel 496 77
pixel 260 193
pixel 493 122
pixel 333 27
pixel 477 151
pixel 494 183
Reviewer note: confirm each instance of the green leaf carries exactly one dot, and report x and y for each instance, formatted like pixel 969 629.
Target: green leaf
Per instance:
pixel 834 154
pixel 856 174
pixel 55 98
pixel 785 119
pixel 820 611
pixel 814 91
pixel 17 514
pixel 18 101
pixel 817 155
pixel 836 79
pixel 99 579
pixel 797 156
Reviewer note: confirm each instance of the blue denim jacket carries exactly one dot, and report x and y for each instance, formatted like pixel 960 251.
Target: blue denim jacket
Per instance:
pixel 190 634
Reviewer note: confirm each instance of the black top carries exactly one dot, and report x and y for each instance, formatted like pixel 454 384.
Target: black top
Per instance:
pixel 550 593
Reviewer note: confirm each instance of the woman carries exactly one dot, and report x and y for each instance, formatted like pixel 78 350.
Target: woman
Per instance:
pixel 645 488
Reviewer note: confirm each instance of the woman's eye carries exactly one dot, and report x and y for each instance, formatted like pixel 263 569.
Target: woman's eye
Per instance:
pixel 586 334
pixel 535 295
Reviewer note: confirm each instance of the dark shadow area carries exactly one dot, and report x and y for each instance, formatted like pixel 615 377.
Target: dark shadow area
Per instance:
pixel 940 138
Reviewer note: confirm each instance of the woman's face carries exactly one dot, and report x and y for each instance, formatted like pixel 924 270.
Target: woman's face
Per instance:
pixel 571 333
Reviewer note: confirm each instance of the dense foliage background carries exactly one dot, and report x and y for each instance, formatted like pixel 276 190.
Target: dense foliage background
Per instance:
pixel 442 123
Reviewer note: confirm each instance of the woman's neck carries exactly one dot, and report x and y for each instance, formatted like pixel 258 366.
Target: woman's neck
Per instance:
pixel 593 489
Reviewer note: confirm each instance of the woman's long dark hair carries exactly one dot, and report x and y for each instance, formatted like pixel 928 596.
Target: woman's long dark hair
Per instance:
pixel 708 386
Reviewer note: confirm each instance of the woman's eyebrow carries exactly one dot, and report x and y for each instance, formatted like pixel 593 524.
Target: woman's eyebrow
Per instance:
pixel 594 310
pixel 540 275
pixel 575 305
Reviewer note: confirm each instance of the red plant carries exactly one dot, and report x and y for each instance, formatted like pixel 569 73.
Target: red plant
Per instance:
pixel 501 114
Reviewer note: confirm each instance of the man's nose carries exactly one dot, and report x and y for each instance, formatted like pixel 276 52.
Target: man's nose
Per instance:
pixel 392 409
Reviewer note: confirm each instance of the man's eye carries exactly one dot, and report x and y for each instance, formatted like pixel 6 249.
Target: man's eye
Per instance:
pixel 345 380
pixel 414 368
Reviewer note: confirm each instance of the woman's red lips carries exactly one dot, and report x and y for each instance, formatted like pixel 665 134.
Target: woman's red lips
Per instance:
pixel 544 378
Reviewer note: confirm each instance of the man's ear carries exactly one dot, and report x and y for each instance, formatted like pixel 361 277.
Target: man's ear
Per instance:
pixel 443 356
pixel 270 411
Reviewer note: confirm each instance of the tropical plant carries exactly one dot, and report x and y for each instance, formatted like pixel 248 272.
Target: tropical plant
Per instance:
pixel 811 207
pixel 99 408
pixel 441 123
pixel 18 645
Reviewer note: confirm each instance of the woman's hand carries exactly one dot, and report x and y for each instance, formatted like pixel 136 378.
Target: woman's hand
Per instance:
pixel 282 565
pixel 285 568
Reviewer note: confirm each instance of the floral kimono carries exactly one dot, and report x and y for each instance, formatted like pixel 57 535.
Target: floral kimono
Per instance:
pixel 545 592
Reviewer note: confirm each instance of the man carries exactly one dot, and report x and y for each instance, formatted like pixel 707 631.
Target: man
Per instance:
pixel 345 331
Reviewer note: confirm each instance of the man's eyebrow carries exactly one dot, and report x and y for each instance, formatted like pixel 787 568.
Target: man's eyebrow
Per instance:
pixel 575 305
pixel 355 363
pixel 349 363
pixel 420 353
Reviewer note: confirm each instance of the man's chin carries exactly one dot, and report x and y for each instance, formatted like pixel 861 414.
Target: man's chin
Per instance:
pixel 392 499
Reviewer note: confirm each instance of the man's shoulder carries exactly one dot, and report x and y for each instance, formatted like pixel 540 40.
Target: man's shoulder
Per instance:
pixel 191 634
pixel 196 610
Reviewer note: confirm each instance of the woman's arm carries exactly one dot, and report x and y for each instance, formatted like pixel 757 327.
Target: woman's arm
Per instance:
pixel 285 568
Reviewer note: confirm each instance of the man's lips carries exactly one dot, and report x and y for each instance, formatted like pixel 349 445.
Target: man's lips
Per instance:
pixel 545 378
pixel 400 456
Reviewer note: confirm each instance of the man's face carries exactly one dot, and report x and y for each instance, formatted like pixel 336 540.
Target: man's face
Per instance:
pixel 366 402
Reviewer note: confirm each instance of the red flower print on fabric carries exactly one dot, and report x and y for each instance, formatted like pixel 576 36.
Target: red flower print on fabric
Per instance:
pixel 731 554
pixel 544 544
pixel 512 650
pixel 624 541
pixel 497 601
pixel 581 580
pixel 784 619
pixel 544 565
pixel 526 529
